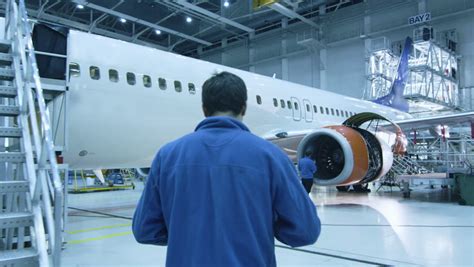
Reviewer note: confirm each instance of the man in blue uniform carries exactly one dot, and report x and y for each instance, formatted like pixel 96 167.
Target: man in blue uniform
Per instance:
pixel 219 196
pixel 307 168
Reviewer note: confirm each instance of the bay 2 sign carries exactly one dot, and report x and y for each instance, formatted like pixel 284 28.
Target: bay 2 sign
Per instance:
pixel 419 18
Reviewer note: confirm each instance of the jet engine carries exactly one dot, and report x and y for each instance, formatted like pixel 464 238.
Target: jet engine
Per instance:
pixel 347 154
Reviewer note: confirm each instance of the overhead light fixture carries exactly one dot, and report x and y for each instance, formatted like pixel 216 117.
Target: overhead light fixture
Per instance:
pixel 80 6
pixel 123 20
pixel 226 4
pixel 158 32
pixel 189 19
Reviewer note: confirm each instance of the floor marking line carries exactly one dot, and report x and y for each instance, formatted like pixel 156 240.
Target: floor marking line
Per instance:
pixel 400 225
pixel 103 213
pixel 81 241
pixel 333 256
pixel 98 228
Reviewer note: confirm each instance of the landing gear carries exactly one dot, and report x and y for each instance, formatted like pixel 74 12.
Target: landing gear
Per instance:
pixel 361 188
pixel 342 188
pixel 358 188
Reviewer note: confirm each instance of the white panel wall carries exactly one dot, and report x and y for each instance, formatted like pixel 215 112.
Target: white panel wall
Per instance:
pixel 344 34
pixel 346 68
pixel 269 68
pixel 303 69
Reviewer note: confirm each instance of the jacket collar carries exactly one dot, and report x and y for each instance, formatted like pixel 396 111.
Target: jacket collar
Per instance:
pixel 221 122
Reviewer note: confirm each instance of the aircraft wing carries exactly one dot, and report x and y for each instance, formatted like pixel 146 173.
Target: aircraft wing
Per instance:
pixel 429 122
pixel 288 141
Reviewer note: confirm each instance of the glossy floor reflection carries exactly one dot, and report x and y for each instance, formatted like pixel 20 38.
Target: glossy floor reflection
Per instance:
pixel 379 228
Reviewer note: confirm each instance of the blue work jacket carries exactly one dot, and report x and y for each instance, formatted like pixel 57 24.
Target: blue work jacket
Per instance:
pixel 219 196
pixel 307 168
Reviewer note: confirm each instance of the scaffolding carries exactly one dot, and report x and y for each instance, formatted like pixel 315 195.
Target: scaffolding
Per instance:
pixel 432 83
pixel 381 68
pixel 444 153
pixel 433 74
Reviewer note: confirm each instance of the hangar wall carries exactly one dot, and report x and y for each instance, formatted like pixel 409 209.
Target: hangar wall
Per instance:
pixel 339 66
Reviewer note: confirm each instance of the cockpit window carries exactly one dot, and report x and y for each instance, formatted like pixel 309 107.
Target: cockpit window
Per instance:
pixel 74 70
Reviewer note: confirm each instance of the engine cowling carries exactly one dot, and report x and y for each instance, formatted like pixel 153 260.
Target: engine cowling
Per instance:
pixel 346 155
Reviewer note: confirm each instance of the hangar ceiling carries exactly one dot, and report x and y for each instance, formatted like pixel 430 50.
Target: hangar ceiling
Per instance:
pixel 179 25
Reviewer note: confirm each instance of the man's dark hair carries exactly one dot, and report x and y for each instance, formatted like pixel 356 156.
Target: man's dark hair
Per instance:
pixel 224 92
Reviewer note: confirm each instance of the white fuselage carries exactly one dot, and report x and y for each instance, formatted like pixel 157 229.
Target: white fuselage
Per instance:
pixel 118 125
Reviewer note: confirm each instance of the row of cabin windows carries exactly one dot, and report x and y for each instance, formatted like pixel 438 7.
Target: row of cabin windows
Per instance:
pixel 94 72
pixel 332 111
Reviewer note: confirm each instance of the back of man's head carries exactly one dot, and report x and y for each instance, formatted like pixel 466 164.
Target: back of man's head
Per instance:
pixel 223 93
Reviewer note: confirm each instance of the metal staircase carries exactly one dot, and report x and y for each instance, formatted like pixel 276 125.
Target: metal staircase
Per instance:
pixel 30 188
pixel 405 165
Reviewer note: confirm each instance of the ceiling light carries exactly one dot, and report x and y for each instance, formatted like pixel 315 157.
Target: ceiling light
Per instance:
pixel 123 20
pixel 226 4
pixel 80 6
pixel 157 31
pixel 189 19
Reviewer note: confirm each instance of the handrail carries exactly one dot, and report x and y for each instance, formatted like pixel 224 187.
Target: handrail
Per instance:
pixel 18 30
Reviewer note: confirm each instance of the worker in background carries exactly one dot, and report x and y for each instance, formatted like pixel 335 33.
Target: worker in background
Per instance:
pixel 219 196
pixel 307 168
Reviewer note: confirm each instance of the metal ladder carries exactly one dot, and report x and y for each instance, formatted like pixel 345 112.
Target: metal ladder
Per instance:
pixel 405 165
pixel 30 189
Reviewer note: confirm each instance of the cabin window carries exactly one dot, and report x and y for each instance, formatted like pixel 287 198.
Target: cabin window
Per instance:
pixel 321 109
pixel 289 104
pixel 94 72
pixel 74 70
pixel 282 103
pixel 131 78
pixel 113 76
pixel 307 108
pixel 146 81
pixel 162 83
pixel 296 106
pixel 337 112
pixel 347 114
pixel 192 88
pixel 275 102
pixel 327 111
pixel 332 111
pixel 259 100
pixel 177 86
pixel 315 109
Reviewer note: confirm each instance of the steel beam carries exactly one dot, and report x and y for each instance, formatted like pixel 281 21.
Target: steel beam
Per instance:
pixel 140 21
pixel 213 16
pixel 291 14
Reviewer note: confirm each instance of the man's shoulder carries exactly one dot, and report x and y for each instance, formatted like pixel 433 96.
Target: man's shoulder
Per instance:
pixel 262 144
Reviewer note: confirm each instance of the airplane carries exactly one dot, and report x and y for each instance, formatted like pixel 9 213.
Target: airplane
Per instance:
pixel 124 101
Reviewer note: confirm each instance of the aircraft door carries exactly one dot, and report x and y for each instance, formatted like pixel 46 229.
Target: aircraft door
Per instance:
pixel 296 108
pixel 308 112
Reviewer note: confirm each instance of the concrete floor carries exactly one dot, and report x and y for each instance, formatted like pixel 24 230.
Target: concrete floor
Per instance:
pixel 381 228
